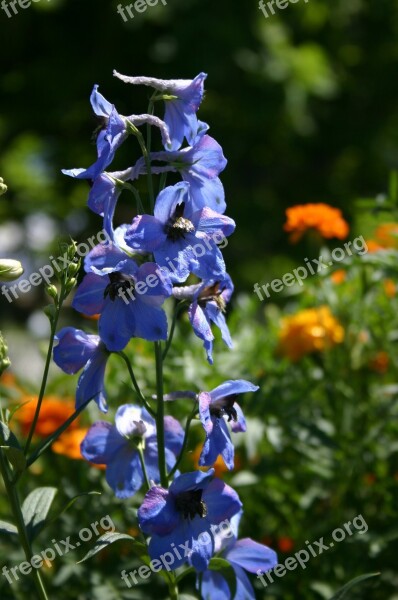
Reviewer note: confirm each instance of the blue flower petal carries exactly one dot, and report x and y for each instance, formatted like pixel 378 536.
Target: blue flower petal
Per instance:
pixel 232 386
pixel 251 556
pixel 74 348
pixel 101 442
pixel 218 442
pixel 124 472
pixel 89 296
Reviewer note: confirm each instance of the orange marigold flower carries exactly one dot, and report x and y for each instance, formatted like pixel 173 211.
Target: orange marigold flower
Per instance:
pixel 373 246
pixel 387 235
pixel 326 220
pixel 310 330
pixel 338 276
pixel 69 442
pixel 380 362
pixel 390 288
pixel 53 413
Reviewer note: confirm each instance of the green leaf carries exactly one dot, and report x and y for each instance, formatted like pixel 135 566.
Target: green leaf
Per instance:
pixel 343 591
pixel 8 528
pixel 106 540
pixel 35 509
pixel 16 457
pixel 7 438
pixel 12 448
pixel 226 570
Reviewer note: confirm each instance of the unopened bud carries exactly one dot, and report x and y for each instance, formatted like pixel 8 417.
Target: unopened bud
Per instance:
pixel 4 360
pixel 52 291
pixel 73 268
pixel 3 187
pixel 70 285
pixel 10 269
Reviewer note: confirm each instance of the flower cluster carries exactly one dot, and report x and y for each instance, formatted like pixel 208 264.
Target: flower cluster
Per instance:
pixel 127 281
pixel 326 220
pixel 309 330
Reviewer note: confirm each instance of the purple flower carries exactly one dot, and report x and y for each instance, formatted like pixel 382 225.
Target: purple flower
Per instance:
pixel 200 166
pixel 181 520
pixel 76 349
pixel 209 307
pixel 117 445
pixel 182 239
pixel 182 99
pixel 243 555
pixel 213 407
pixel 128 297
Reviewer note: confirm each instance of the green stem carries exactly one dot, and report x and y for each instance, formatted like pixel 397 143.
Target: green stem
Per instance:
pixel 135 383
pixel 147 159
pixel 39 451
pixel 45 376
pixel 142 461
pixel 162 183
pixel 173 587
pixel 160 416
pixel 22 533
pixel 185 442
pixel 172 329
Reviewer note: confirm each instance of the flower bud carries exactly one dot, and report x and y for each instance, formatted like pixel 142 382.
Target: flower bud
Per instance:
pixel 52 291
pixel 73 268
pixel 10 269
pixel 3 187
pixel 4 360
pixel 70 285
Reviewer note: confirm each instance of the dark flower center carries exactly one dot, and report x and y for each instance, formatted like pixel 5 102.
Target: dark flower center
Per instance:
pixel 177 226
pixel 190 504
pixel 225 406
pixel 212 293
pixel 119 285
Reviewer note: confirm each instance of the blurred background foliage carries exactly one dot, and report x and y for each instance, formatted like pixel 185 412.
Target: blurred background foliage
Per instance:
pixel 305 106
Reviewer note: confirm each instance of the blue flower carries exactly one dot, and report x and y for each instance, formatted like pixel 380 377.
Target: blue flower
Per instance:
pixel 76 349
pixel 116 446
pixel 213 407
pixel 182 100
pixel 181 520
pixel 127 297
pixel 182 239
pixel 243 555
pixel 109 139
pixel 114 132
pixel 208 307
pixel 200 166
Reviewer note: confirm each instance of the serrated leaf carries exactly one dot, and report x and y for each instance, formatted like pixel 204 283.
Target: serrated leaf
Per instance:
pixel 35 509
pixel 343 591
pixel 8 528
pixel 106 540
pixel 226 570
